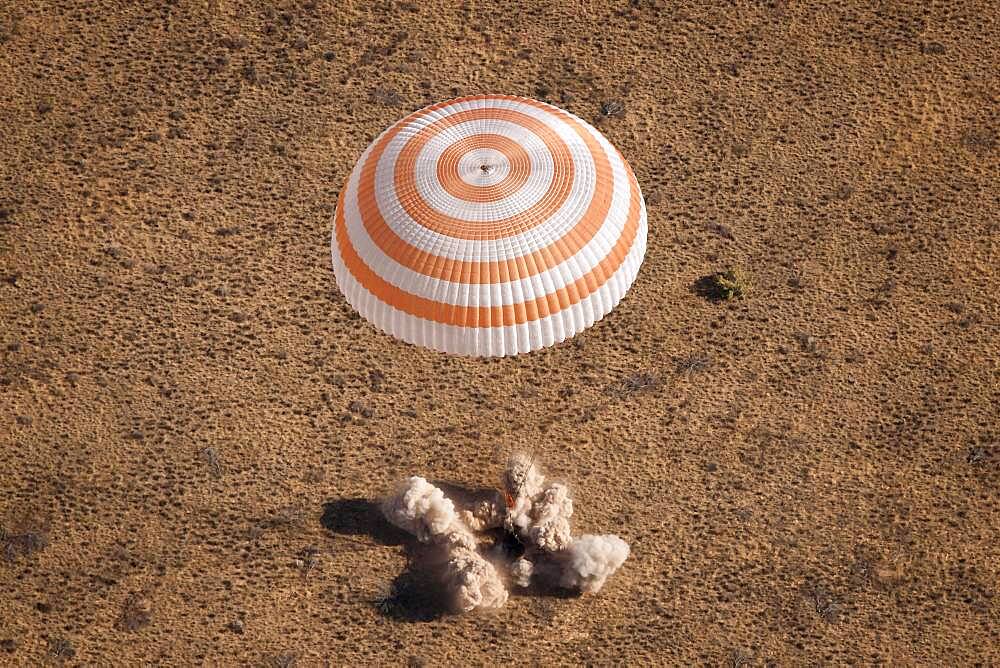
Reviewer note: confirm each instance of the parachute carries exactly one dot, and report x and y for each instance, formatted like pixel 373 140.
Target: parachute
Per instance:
pixel 488 225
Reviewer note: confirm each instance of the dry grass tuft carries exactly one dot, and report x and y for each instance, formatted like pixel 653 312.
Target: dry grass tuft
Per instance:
pixel 136 613
pixel 286 660
pixel 692 364
pixel 636 383
pixel 386 598
pixel 24 542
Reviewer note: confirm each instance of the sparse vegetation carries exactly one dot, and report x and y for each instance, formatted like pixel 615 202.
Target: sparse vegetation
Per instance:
pixel 823 602
pixel 634 383
pixel 314 474
pixel 807 342
pixel 723 231
pixel 307 560
pixel 979 139
pixel 281 519
pixel 733 283
pixel 286 660
pixel 361 408
pixel 136 613
pixel 612 109
pixel 692 364
pixel 387 96
pixel 739 658
pixel 211 457
pixel 528 391
pixel 980 454
pixel 386 598
pixel 22 543
pixel 61 648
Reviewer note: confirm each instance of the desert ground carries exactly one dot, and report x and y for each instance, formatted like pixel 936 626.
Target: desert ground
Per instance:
pixel 196 428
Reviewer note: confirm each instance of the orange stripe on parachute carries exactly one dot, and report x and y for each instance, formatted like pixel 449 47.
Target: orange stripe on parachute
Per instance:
pixel 496 271
pixel 496 316
pixel 455 185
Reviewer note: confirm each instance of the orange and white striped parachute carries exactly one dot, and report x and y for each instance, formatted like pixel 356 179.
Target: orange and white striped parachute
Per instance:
pixel 488 225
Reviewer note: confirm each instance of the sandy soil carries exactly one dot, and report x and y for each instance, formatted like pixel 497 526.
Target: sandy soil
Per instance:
pixel 193 424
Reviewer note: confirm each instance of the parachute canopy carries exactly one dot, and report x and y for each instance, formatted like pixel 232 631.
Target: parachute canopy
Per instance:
pixel 488 225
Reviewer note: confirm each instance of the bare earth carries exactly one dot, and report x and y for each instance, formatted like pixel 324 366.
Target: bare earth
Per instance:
pixel 194 425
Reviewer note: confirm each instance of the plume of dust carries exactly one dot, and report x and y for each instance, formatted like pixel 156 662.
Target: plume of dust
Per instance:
pixel 521 571
pixel 420 508
pixel 538 511
pixel 535 510
pixel 485 515
pixel 423 510
pixel 539 514
pixel 473 581
pixel 590 560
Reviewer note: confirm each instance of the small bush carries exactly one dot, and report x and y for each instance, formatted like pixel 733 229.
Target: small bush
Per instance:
pixel 733 283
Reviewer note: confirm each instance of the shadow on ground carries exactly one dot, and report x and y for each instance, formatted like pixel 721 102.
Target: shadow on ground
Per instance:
pixel 361 517
pixel 707 287
pixel 412 596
